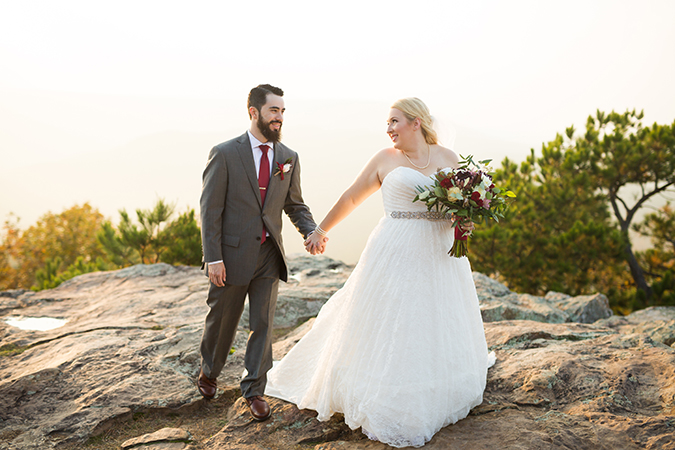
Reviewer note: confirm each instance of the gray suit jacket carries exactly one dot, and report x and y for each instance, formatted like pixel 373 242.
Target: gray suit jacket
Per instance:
pixel 232 213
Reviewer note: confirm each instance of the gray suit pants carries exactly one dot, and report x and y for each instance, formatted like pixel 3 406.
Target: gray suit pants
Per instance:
pixel 227 306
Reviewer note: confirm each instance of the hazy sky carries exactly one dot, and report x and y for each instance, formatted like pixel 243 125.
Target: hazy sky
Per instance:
pixel 118 103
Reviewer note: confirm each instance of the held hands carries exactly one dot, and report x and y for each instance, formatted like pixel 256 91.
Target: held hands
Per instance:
pixel 315 244
pixel 217 274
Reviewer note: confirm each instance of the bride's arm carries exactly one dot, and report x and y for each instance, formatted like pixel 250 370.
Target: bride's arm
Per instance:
pixel 366 183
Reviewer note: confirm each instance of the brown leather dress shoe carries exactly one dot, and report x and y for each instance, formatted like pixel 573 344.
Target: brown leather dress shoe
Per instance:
pixel 260 410
pixel 206 386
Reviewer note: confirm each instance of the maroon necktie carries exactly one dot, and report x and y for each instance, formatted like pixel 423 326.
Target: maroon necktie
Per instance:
pixel 264 180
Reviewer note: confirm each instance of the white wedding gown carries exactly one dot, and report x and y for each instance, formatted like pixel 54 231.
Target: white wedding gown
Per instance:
pixel 399 350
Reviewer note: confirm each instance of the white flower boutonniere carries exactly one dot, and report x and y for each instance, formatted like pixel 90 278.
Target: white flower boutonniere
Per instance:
pixel 283 168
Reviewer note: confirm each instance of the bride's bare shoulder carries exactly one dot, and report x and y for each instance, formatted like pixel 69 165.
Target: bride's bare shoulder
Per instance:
pixel 385 156
pixel 387 152
pixel 385 161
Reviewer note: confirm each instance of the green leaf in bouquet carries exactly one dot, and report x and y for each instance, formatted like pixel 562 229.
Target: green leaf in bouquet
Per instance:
pixel 439 191
pixel 424 195
pixel 510 194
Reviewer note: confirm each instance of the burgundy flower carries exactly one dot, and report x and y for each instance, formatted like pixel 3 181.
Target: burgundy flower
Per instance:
pixel 462 174
pixel 446 183
pixel 280 170
pixel 475 196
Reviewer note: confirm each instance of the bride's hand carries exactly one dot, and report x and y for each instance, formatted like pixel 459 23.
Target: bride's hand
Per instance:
pixel 464 223
pixel 315 243
pixel 467 225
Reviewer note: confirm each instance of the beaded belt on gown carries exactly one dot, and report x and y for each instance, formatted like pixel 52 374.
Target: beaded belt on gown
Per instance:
pixel 428 215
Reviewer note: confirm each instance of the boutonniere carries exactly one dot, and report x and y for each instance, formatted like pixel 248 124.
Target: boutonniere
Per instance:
pixel 283 168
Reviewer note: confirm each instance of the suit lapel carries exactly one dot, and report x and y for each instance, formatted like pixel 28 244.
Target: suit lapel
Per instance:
pixel 246 155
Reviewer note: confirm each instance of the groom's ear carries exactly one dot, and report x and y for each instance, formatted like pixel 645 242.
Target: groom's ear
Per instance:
pixel 253 112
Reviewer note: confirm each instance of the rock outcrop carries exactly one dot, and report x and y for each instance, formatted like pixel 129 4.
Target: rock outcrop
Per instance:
pixel 497 302
pixel 554 386
pixel 131 341
pixel 568 374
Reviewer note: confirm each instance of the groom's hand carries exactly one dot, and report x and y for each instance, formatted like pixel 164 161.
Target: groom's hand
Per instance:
pixel 315 243
pixel 217 274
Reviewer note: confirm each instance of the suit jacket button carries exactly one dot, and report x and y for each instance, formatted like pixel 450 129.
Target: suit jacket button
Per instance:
pixel 257 238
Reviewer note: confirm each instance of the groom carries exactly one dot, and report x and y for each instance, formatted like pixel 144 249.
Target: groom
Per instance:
pixel 247 182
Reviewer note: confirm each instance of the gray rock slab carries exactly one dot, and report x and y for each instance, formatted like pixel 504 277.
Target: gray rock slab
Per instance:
pixel 568 385
pixel 162 446
pixel 582 308
pixel 165 435
pixel 656 322
pixel 130 342
pixel 497 303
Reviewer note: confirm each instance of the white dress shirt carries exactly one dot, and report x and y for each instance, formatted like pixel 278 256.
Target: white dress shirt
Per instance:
pixel 257 156
pixel 257 153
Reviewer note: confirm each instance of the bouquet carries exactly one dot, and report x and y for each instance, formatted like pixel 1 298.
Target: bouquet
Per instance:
pixel 467 193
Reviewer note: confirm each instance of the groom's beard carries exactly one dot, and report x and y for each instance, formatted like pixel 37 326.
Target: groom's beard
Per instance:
pixel 270 135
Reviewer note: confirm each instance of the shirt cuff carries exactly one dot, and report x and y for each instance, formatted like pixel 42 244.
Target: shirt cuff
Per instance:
pixel 215 262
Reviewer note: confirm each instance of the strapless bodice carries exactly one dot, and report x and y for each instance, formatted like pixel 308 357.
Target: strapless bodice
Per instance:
pixel 399 189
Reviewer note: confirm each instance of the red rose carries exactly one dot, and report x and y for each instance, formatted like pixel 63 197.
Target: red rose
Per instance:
pixel 446 183
pixel 475 196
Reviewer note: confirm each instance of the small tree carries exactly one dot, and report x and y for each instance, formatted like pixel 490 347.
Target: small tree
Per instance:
pixel 50 277
pixel 620 152
pixel 154 239
pixel 147 241
pixel 184 242
pixel 69 235
pixel 10 251
pixel 118 253
pixel 659 262
pixel 557 235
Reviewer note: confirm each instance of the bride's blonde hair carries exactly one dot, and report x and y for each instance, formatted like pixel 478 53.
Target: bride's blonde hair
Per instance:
pixel 414 108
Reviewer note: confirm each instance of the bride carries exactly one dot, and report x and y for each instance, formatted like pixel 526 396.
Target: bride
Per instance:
pixel 399 350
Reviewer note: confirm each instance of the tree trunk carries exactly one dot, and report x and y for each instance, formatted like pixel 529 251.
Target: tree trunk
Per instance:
pixel 635 269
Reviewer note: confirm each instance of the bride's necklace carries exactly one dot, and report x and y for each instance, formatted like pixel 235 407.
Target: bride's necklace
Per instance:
pixel 419 167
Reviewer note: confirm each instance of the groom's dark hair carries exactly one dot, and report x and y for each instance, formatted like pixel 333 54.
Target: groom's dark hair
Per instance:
pixel 258 96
